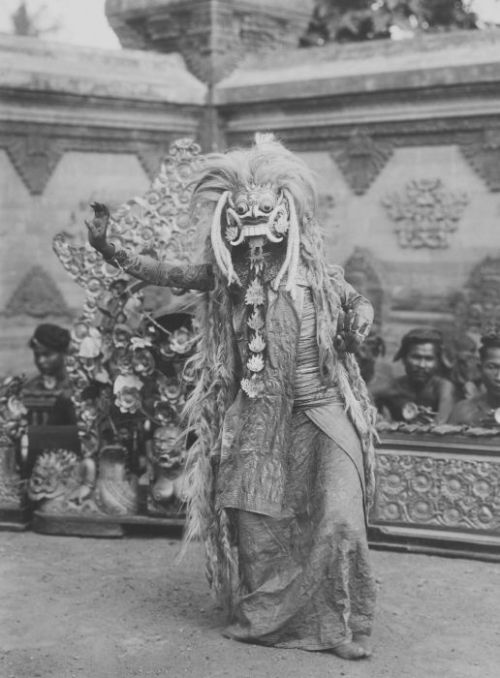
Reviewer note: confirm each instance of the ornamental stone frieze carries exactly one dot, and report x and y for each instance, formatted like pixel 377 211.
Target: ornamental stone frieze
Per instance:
pixel 484 157
pixel 477 306
pixel 442 490
pixel 37 295
pixel 425 214
pixel 361 159
pixel 212 35
pixel 34 157
pixel 360 271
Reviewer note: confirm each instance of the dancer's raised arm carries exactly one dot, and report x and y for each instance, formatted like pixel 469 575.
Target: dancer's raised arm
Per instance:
pixel 144 267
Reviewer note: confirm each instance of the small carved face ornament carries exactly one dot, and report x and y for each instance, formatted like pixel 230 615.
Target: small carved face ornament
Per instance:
pixel 256 211
pixel 167 452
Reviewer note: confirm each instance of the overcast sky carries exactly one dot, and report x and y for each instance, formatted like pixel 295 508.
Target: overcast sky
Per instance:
pixel 82 22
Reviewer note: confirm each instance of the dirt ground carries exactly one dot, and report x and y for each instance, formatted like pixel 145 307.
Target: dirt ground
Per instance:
pixel 90 608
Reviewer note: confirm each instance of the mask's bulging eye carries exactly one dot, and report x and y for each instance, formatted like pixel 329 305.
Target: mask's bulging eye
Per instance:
pixel 241 208
pixel 266 205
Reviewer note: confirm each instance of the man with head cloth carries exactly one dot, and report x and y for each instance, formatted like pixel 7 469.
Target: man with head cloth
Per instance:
pixel 50 344
pixel 422 388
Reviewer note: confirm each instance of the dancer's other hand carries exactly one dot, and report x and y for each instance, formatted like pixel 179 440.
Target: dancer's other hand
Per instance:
pixel 98 228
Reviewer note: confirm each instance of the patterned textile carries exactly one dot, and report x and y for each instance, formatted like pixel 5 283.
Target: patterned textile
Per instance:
pixel 306 574
pixel 307 577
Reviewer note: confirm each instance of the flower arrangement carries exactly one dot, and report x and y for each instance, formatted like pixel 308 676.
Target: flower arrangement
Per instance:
pixel 13 427
pixel 127 367
pixel 13 414
pixel 128 375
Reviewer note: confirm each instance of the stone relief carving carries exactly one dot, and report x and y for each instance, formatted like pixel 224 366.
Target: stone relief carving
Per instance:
pixel 151 157
pixel 35 158
pixel 361 159
pixel 426 213
pixel 360 272
pixel 477 306
pixel 211 36
pixel 484 157
pixel 438 491
pixel 326 217
pixel 37 295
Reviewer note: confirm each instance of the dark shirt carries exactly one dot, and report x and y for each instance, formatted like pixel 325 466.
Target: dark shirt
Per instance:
pixel 48 406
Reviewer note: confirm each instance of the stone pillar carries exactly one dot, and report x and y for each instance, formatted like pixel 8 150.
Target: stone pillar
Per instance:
pixel 212 35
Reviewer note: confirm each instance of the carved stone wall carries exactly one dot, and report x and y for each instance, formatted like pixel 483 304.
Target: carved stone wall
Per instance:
pixel 477 305
pixel 76 125
pixel 426 214
pixel 360 272
pixel 370 119
pixel 405 138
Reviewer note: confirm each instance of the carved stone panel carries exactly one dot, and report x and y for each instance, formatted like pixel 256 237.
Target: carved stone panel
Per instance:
pixel 484 157
pixel 35 158
pixel 426 213
pixel 360 272
pixel 438 489
pixel 151 158
pixel 361 159
pixel 37 295
pixel 477 306
pixel 211 35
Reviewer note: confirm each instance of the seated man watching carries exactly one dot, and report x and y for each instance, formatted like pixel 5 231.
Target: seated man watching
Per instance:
pixel 48 395
pixel 483 409
pixel 421 395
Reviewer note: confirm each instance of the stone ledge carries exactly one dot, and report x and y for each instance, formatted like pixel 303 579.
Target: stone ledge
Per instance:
pixel 36 65
pixel 373 67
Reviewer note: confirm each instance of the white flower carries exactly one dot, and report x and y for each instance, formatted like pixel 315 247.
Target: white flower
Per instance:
pixel 256 321
pixel 140 342
pixel 16 408
pixel 101 375
pixel 257 344
pixel 255 363
pixel 91 346
pixel 126 381
pixel 252 387
pixel 128 400
pixel 255 294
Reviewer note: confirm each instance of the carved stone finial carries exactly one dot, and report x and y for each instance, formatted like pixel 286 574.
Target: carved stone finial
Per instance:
pixel 211 35
pixel 37 295
pixel 425 214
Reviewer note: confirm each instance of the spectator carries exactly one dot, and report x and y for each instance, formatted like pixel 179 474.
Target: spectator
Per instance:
pixel 48 394
pixel 484 408
pixel 422 395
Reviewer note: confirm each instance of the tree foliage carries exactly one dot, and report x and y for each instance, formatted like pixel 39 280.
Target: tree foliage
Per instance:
pixel 32 22
pixel 351 20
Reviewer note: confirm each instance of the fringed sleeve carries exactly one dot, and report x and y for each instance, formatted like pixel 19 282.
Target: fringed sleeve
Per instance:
pixel 144 267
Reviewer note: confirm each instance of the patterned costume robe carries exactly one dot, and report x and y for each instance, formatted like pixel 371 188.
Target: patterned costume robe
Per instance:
pixel 290 475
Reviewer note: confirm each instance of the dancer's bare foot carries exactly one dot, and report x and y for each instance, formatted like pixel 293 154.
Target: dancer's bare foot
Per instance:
pixel 351 650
